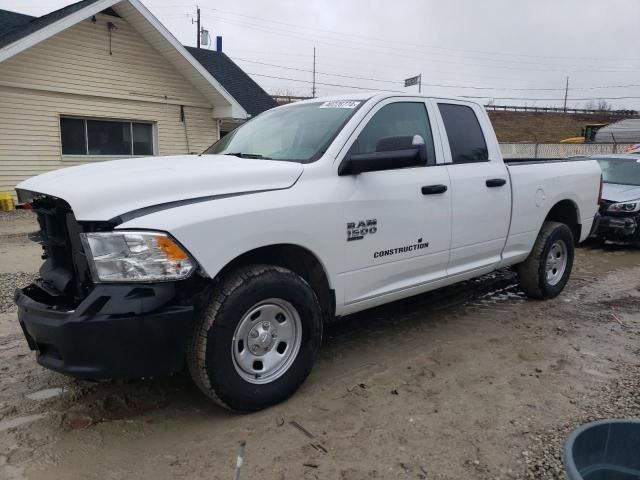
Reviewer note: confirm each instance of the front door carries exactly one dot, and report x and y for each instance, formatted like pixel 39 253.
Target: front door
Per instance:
pixel 397 221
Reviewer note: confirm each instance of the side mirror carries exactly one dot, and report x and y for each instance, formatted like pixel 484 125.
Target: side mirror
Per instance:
pixel 391 153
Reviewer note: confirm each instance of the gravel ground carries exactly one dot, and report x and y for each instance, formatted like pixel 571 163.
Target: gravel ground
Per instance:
pixel 620 399
pixel 15 215
pixel 8 283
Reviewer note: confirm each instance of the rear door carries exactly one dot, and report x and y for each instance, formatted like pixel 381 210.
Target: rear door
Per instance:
pixel 480 189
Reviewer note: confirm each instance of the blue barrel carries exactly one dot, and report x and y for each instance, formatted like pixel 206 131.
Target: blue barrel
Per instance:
pixel 604 450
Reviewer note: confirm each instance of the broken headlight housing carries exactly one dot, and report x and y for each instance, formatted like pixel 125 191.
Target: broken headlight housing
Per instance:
pixel 136 256
pixel 625 207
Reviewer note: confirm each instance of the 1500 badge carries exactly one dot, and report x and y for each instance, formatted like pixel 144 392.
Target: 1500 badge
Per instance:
pixel 358 230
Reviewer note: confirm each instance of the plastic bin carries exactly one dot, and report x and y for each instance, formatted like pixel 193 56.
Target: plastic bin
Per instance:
pixel 604 450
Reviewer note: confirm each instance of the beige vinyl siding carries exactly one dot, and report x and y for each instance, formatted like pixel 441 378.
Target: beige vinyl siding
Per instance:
pixel 72 74
pixel 30 129
pixel 77 60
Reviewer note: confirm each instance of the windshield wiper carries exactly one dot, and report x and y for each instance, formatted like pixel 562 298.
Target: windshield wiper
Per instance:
pixel 248 155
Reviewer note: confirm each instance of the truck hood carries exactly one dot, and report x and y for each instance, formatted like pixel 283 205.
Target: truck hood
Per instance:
pixel 615 192
pixel 105 190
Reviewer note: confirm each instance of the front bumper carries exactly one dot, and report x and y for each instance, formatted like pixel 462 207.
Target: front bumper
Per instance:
pixel 118 331
pixel 619 228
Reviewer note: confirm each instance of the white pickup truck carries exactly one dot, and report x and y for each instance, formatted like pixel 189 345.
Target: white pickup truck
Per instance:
pixel 233 260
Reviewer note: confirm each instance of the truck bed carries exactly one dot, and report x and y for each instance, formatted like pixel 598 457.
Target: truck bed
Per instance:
pixel 536 189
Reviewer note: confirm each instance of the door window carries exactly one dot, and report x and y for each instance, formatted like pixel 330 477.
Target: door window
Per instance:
pixel 403 119
pixel 466 139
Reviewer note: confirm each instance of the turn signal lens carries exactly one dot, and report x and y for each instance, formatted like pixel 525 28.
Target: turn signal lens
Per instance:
pixel 171 249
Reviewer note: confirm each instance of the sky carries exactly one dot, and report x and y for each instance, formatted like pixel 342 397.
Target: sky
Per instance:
pixel 506 52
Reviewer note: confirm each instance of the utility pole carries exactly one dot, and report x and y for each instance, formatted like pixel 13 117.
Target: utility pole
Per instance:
pixel 566 94
pixel 313 89
pixel 198 23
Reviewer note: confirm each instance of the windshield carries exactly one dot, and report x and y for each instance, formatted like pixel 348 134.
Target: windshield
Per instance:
pixel 620 170
pixel 297 133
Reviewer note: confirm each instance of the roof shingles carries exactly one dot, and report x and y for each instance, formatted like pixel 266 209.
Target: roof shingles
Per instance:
pixel 30 25
pixel 240 85
pixel 10 20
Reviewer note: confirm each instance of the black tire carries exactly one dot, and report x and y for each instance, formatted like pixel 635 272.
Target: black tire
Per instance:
pixel 532 272
pixel 210 357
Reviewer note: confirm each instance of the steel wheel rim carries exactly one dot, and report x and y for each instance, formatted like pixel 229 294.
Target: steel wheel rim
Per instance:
pixel 266 341
pixel 557 260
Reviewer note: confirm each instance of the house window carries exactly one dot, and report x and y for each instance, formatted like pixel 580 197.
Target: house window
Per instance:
pixel 81 136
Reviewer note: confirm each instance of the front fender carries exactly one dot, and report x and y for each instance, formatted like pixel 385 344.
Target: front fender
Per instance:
pixel 219 231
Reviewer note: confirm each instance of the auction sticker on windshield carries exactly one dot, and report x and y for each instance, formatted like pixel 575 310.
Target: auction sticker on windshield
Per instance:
pixel 340 104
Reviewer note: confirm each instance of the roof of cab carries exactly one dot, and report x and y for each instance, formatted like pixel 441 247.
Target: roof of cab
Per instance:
pixel 368 95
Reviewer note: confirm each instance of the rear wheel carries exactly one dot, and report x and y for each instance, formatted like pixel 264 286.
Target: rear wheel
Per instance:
pixel 256 340
pixel 546 270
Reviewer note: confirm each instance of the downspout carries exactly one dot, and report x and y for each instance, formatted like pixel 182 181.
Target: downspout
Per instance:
pixel 183 119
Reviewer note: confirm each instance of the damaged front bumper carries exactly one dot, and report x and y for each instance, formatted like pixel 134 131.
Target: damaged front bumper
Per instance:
pixel 118 331
pixel 618 228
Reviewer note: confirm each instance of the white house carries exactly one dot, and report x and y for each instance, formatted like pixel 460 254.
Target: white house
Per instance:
pixel 104 79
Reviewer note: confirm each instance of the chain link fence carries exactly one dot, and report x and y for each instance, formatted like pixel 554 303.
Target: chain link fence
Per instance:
pixel 559 150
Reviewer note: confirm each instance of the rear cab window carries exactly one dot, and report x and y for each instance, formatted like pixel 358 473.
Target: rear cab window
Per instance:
pixel 466 140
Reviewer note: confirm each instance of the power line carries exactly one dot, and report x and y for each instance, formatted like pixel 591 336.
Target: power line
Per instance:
pixel 561 69
pixel 296 34
pixel 399 82
pixel 354 63
pixel 387 41
pixel 394 82
pixel 395 53
pixel 318 83
pixel 317 72
pixel 559 99
pixel 465 96
pixel 367 46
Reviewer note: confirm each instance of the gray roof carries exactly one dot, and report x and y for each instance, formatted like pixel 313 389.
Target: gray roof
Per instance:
pixel 10 20
pixel 235 81
pixel 20 26
pixel 624 131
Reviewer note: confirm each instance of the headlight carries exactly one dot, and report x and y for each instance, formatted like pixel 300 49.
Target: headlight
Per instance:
pixel 625 206
pixel 135 257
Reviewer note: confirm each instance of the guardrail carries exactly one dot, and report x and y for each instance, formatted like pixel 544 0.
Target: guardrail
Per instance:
pixel 516 108
pixel 284 99
pixel 559 150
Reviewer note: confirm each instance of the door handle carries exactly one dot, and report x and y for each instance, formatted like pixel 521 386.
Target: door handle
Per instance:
pixel 433 189
pixel 496 182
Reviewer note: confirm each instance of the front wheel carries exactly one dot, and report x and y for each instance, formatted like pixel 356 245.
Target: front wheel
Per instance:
pixel 256 340
pixel 546 270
